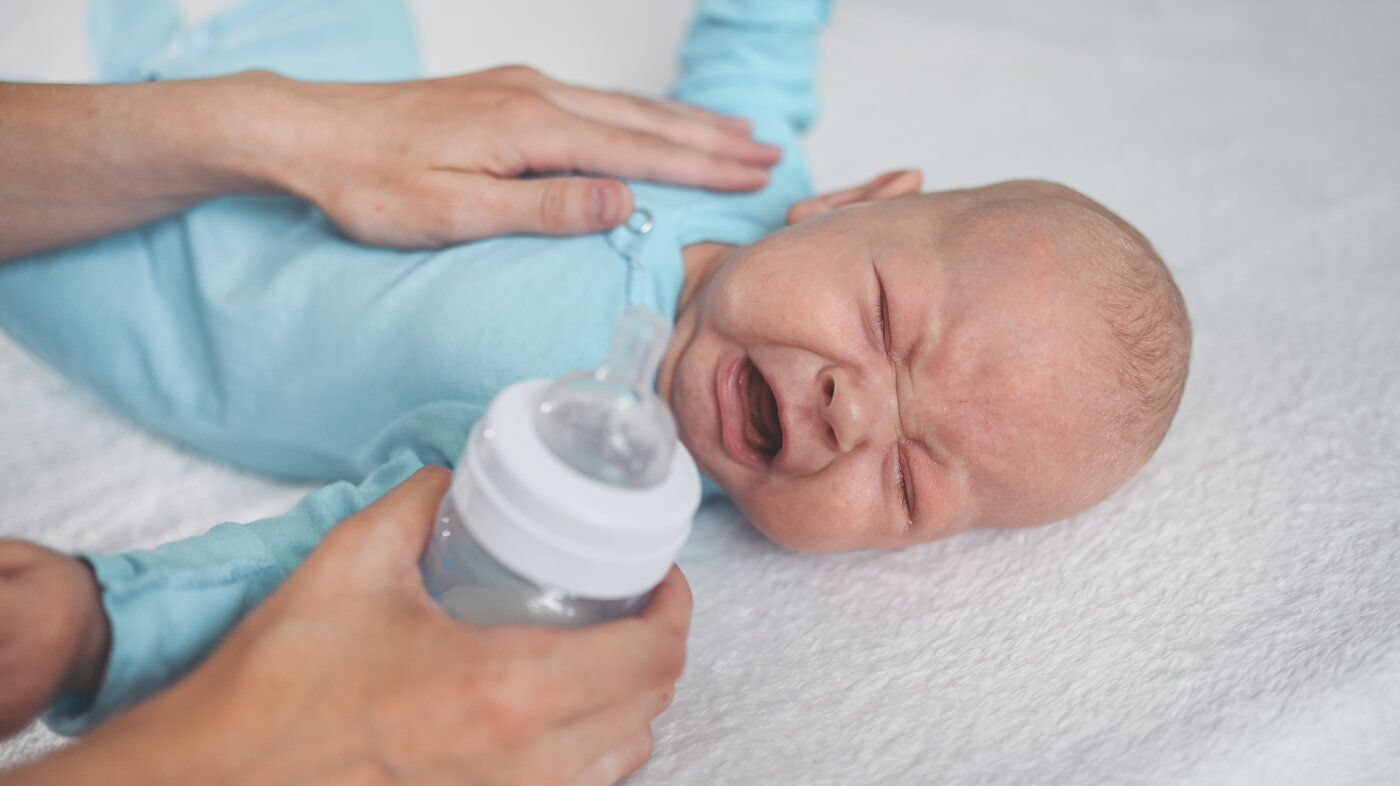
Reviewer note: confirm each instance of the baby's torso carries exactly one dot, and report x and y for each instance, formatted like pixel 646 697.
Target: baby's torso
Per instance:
pixel 251 329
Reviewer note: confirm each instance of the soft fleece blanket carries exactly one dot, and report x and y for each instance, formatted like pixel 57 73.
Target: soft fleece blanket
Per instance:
pixel 1232 616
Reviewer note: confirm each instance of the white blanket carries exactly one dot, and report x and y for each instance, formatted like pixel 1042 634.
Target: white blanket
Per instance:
pixel 1232 616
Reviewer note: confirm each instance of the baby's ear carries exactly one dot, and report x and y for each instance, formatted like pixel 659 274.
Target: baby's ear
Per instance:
pixel 890 185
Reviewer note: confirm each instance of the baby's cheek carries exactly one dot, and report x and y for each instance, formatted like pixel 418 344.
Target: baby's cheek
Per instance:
pixel 811 514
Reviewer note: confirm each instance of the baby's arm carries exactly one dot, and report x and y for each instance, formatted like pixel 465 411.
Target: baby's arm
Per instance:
pixel 53 634
pixel 170 605
pixel 755 58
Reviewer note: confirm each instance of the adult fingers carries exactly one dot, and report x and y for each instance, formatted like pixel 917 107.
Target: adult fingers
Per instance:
pixel 544 206
pixel 534 80
pixel 589 737
pixel 392 531
pixel 577 143
pixel 736 123
pixel 691 127
pixel 617 662
pixel 619 762
pixel 666 619
pixel 580 672
pixel 671 604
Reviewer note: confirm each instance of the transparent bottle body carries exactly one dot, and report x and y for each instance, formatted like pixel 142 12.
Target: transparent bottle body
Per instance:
pixel 473 586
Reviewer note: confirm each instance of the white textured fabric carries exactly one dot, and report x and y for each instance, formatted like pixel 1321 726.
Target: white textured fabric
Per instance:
pixel 1231 617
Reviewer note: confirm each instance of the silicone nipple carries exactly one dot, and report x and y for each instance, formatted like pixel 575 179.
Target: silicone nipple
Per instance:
pixel 608 423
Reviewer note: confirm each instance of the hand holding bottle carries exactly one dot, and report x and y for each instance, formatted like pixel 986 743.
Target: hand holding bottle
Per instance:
pixel 351 672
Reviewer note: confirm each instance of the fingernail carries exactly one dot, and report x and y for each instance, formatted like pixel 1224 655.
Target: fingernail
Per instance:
pixel 753 177
pixel 769 154
pixel 607 205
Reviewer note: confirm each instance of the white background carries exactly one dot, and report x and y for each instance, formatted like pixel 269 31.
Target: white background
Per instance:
pixel 1232 616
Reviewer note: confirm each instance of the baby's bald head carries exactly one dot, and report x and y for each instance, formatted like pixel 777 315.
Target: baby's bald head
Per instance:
pixel 1136 334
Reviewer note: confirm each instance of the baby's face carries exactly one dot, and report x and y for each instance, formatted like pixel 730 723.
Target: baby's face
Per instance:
pixel 891 373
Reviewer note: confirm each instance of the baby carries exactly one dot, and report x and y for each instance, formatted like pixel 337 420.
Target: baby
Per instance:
pixel 912 365
pixel 889 368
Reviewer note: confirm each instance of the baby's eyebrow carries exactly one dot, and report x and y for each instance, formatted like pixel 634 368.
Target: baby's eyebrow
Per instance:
pixel 917 360
pixel 925 438
pixel 917 364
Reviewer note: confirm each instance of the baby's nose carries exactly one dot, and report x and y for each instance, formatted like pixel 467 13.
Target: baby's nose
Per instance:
pixel 854 409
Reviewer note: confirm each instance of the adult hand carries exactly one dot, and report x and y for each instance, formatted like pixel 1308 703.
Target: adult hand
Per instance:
pixel 433 162
pixel 411 164
pixel 350 673
pixel 53 632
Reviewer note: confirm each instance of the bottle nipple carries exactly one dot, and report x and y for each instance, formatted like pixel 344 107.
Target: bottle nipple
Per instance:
pixel 608 423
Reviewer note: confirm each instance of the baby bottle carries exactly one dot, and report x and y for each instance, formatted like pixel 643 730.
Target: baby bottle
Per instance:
pixel 572 497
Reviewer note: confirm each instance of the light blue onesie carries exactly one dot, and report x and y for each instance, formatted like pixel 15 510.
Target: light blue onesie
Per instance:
pixel 250 329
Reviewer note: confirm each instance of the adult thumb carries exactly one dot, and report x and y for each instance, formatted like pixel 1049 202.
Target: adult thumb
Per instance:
pixel 558 205
pixel 391 531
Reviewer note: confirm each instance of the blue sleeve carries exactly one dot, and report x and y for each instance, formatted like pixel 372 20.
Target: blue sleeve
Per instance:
pixel 342 40
pixel 169 606
pixel 754 58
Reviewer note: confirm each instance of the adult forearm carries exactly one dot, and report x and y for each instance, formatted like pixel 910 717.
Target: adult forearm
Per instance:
pixel 81 161
pixel 126 753
pixel 174 742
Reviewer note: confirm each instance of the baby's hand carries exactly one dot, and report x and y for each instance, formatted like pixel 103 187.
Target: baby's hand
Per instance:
pixel 53 630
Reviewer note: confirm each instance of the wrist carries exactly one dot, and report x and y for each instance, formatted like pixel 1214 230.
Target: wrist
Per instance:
pixel 53 631
pixel 93 643
pixel 226 137
pixel 295 133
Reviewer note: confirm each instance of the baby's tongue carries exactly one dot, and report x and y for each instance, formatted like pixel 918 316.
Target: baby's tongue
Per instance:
pixel 762 428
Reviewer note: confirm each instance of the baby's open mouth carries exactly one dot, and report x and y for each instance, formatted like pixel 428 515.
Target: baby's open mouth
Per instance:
pixel 763 430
